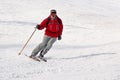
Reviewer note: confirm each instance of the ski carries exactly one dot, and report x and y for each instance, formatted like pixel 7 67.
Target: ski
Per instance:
pixel 42 59
pixel 37 59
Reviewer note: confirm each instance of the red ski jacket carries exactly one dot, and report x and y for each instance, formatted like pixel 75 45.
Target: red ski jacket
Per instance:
pixel 54 27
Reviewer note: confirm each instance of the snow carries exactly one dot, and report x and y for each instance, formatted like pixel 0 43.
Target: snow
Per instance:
pixel 89 49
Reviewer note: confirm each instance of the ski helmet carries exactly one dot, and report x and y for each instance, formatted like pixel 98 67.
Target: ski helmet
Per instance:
pixel 53 11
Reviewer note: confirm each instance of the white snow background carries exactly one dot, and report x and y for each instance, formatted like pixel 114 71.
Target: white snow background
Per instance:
pixel 90 45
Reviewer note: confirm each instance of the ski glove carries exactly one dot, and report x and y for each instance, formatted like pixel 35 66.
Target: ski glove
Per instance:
pixel 59 37
pixel 37 26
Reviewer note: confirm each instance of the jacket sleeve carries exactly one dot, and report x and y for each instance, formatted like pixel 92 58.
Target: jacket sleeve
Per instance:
pixel 43 24
pixel 61 28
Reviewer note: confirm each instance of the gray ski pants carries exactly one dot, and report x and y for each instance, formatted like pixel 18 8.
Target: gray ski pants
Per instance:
pixel 44 46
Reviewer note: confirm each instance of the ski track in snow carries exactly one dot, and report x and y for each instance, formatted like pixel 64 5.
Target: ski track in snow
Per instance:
pixel 17 23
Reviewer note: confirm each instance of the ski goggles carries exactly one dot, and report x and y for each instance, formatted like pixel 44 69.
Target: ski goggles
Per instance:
pixel 53 11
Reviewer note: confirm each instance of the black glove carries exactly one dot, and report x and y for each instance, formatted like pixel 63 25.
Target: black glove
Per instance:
pixel 37 26
pixel 59 37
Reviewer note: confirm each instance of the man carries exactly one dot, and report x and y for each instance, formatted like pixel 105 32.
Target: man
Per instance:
pixel 54 27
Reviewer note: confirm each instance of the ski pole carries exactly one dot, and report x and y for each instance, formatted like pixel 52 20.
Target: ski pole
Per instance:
pixel 26 42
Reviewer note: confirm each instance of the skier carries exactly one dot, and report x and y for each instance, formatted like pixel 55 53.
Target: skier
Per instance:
pixel 54 27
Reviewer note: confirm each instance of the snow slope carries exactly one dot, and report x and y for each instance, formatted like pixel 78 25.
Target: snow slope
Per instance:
pixel 89 49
